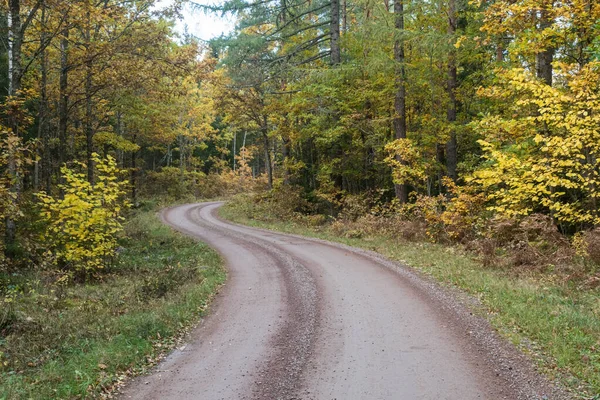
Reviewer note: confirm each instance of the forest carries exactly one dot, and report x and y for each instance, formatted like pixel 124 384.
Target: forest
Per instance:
pixel 472 125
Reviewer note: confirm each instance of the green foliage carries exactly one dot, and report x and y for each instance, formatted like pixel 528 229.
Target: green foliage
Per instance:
pixel 15 157
pixel 175 184
pixel 79 341
pixel 83 225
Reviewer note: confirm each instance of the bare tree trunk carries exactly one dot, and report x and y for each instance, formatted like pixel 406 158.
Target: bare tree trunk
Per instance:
pixel 335 32
pixel 234 149
pixel 399 120
pixel 546 56
pixel 15 41
pixel 63 104
pixel 500 52
pixel 121 132
pixel 134 174
pixel 43 131
pixel 180 140
pixel 451 146
pixel 89 121
pixel 440 160
pixel 268 164
pixel 285 150
pixel 16 32
pixel 345 16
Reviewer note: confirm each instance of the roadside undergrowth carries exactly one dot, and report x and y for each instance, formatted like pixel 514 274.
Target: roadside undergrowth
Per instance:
pixel 556 322
pixel 82 340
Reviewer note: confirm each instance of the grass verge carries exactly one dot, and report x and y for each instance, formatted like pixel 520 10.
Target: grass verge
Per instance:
pixel 79 341
pixel 555 322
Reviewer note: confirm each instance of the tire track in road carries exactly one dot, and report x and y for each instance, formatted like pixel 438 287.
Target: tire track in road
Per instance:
pixel 301 318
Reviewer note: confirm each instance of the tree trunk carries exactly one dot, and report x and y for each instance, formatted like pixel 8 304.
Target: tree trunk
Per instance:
pixel 234 149
pixel 43 131
pixel 335 32
pixel 134 174
pixel 451 146
pixel 89 122
pixel 399 120
pixel 180 140
pixel 345 16
pixel 268 164
pixel 285 150
pixel 15 41
pixel 439 155
pixel 546 56
pixel 88 88
pixel 500 52
pixel 63 104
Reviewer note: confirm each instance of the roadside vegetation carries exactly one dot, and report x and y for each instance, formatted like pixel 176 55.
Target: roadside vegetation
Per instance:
pixel 62 340
pixel 534 288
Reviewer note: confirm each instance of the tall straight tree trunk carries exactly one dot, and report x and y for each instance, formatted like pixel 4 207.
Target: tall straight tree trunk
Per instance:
pixel 233 152
pixel 451 146
pixel 336 57
pixel 181 143
pixel 63 103
pixel 399 120
pixel 43 131
pixel 439 156
pixel 345 16
pixel 545 57
pixel 285 150
pixel 89 122
pixel 268 163
pixel 134 173
pixel 88 87
pixel 15 41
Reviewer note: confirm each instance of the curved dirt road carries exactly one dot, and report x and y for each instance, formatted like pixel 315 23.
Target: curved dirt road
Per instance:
pixel 305 319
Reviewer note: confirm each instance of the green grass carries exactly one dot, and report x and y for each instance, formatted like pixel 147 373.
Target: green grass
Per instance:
pixel 556 323
pixel 80 340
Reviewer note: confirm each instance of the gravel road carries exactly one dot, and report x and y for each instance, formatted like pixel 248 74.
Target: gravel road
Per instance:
pixel 306 319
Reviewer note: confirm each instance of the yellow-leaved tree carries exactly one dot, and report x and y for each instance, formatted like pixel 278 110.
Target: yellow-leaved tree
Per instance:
pixel 408 165
pixel 543 150
pixel 83 225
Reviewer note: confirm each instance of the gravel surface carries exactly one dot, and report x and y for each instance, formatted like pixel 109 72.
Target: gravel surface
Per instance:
pixel 303 318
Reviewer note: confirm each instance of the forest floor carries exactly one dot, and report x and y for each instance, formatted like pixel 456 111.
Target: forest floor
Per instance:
pixel 82 340
pixel 555 323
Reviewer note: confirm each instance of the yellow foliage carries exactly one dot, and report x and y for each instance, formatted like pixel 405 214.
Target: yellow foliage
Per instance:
pixel 408 166
pixel 579 244
pixel 455 216
pixel 543 151
pixel 83 225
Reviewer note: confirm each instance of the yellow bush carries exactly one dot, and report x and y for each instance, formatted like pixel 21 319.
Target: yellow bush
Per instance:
pixel 83 226
pixel 542 150
pixel 456 217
